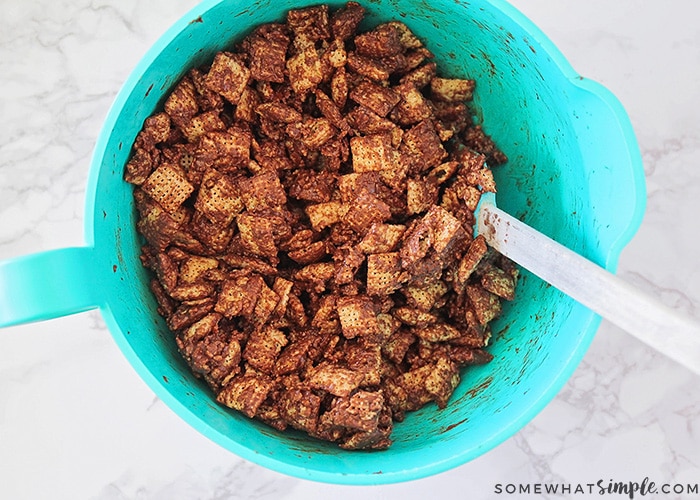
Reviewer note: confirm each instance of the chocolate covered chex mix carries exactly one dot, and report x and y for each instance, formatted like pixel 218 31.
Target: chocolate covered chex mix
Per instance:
pixel 306 202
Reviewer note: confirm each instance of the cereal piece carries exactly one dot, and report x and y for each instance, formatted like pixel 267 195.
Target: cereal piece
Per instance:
pixel 412 108
pixel 181 105
pixel 192 291
pixel 295 356
pixel 247 104
pixel 257 235
pixel 417 240
pixel 447 231
pixel 486 305
pixel 397 345
pixel 475 336
pixel 263 347
pixel 333 154
pixel 271 156
pixel 357 317
pixel 438 231
pixel 214 237
pixel 195 267
pixel 383 273
pixel 304 70
pixel 278 112
pixel 369 68
pixel 439 332
pixel 310 185
pixel 227 151
pixel 381 238
pixel 323 215
pixel 239 295
pixel 201 124
pixel 246 393
pixel 366 210
pixel 216 357
pixel 207 100
pixel 498 282
pixel 218 198
pixel 344 21
pixel 451 89
pixel 335 55
pixel 313 132
pixel 415 317
pixel 423 145
pixel 406 37
pixel 187 339
pixel 365 358
pixel 453 116
pixel 358 412
pixel 376 439
pixel 421 195
pixel 425 297
pixel 416 57
pixel 378 99
pixel 335 380
pixel 160 228
pixel 331 111
pixel 339 87
pixel 388 325
pixel 316 274
pixel 168 187
pixel 166 270
pixel 311 22
pixel 313 253
pixel 228 76
pixel 156 129
pixel 325 318
pixel 166 305
pixel 268 51
pixel 265 306
pixel 352 186
pixel 298 240
pixel 300 409
pixel 412 383
pixel 262 191
pixel 467 356
pixel 467 265
pixel 483 178
pixel 373 152
pixel 442 381
pixel 238 261
pixel 366 121
pixel 347 261
pixel 420 76
pixel 139 167
pixel 189 312
pixel 382 41
pixel 395 64
pixel 282 288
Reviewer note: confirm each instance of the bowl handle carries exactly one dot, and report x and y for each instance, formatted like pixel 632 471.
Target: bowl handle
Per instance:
pixel 47 285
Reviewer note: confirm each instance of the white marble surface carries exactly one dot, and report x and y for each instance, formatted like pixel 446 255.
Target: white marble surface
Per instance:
pixel 77 423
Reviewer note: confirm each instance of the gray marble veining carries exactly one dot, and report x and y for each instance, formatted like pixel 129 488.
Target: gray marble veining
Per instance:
pixel 77 423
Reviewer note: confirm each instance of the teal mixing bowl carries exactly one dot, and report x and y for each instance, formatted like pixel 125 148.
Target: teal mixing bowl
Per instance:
pixel 574 173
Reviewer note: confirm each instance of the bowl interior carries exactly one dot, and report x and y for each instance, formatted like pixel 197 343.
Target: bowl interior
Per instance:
pixel 550 127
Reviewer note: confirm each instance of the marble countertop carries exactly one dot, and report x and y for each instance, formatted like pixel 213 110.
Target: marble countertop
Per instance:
pixel 76 422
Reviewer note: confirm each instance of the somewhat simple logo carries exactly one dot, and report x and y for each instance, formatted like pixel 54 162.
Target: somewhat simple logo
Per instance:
pixel 602 487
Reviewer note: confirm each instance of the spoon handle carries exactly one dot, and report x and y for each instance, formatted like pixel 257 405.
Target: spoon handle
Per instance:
pixel 666 330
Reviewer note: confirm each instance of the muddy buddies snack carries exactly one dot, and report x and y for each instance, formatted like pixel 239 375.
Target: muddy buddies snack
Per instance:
pixel 307 202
